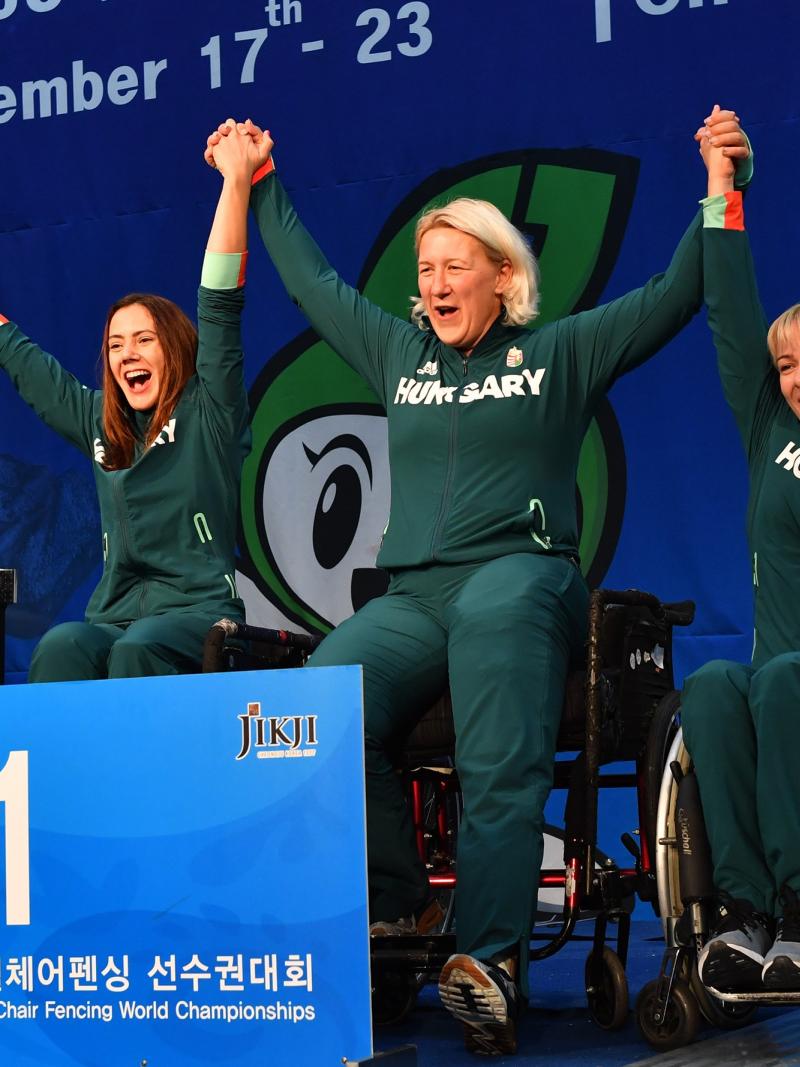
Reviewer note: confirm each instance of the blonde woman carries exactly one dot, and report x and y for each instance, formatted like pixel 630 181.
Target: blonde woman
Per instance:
pixel 486 420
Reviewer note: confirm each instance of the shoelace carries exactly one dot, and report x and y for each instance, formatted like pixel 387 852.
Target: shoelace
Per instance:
pixel 740 914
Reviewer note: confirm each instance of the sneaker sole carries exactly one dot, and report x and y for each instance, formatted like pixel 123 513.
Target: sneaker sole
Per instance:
pixel 470 995
pixel 782 975
pixel 730 971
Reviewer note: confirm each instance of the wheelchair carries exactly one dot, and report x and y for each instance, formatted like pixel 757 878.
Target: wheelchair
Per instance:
pixel 669 1008
pixel 616 709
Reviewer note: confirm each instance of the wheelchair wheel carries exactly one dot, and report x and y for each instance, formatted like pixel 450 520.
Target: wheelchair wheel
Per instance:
pixel 608 1001
pixel 441 817
pixel 663 727
pixel 724 1014
pixel 394 994
pixel 681 1021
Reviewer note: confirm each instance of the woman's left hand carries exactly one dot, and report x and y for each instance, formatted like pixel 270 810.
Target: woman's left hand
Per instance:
pixel 238 149
pixel 722 142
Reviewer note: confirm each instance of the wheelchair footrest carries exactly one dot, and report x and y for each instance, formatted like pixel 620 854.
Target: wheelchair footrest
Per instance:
pixel 413 952
pixel 764 997
pixel 406 1056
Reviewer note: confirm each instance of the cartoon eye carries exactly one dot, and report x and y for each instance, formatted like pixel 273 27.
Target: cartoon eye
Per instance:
pixel 339 505
pixel 325 503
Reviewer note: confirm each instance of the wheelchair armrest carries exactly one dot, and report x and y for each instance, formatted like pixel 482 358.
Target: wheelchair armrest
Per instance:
pixel 215 642
pixel 680 614
pixel 677 614
pixel 306 642
pixel 226 630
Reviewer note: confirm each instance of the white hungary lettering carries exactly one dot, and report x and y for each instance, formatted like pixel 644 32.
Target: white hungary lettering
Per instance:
pixel 790 458
pixel 410 391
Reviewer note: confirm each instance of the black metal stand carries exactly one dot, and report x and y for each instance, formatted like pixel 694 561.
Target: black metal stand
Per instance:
pixel 8 595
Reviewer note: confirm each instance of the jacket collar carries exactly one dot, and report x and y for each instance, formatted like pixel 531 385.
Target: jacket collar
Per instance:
pixel 495 338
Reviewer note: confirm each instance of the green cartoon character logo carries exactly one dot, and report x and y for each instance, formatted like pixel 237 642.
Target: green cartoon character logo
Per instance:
pixel 315 489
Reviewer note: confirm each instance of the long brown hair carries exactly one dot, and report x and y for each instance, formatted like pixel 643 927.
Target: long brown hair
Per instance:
pixel 178 338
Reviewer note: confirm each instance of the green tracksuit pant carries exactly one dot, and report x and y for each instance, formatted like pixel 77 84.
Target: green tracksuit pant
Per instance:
pixel 740 726
pixel 504 633
pixel 159 644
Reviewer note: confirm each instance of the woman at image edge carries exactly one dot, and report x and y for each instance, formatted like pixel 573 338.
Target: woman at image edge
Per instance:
pixel 740 721
pixel 486 421
pixel 167 435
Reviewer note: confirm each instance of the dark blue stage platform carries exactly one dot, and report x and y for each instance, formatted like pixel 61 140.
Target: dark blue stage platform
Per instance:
pixel 557 1029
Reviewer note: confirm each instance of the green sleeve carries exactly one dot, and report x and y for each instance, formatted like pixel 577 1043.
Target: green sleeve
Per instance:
pixel 737 322
pixel 56 396
pixel 610 340
pixel 363 334
pixel 220 362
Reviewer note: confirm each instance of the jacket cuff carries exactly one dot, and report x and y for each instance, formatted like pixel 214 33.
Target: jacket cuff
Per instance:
pixel 262 172
pixel 723 212
pixel 223 270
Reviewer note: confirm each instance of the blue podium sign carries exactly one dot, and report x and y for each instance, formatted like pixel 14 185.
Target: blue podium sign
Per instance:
pixel 185 871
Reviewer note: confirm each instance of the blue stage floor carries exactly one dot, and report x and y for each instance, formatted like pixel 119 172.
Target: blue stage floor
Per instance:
pixel 557 1028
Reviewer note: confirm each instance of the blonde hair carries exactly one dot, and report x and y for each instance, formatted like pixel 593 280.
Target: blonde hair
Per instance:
pixel 502 241
pixel 785 324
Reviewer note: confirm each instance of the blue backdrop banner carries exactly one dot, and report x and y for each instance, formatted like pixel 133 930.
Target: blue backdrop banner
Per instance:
pixel 185 873
pixel 575 117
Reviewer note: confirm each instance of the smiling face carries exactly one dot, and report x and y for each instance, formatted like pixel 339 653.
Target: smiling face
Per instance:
pixel 460 286
pixel 787 360
pixel 135 356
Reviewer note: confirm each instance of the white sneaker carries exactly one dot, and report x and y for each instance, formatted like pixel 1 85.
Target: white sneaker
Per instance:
pixel 484 997
pixel 732 960
pixel 781 971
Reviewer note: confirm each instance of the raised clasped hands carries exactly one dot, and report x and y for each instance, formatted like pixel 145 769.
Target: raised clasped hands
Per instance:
pixel 722 143
pixel 238 149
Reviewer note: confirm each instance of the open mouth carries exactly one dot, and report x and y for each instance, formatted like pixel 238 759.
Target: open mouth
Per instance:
pixel 137 380
pixel 445 311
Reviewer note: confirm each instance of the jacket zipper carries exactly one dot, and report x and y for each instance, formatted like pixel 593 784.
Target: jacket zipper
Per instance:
pixel 121 518
pixel 451 451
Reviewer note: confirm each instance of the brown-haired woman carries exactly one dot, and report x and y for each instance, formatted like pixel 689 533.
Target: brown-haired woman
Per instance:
pixel 178 339
pixel 167 434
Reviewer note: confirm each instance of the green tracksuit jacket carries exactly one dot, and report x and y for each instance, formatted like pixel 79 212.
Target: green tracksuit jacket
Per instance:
pixel 483 452
pixel 169 520
pixel 770 432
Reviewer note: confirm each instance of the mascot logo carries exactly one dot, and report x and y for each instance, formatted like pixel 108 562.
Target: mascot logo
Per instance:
pixel 315 490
